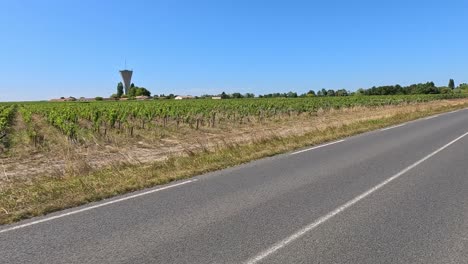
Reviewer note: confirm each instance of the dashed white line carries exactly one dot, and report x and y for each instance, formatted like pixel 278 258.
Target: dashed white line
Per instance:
pixel 96 206
pixel 316 147
pixel 387 128
pixel 343 207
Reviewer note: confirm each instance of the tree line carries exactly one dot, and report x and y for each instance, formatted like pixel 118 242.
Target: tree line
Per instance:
pixel 133 91
pixel 419 88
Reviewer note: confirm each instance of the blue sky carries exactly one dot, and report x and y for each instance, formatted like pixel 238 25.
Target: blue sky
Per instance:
pixel 75 48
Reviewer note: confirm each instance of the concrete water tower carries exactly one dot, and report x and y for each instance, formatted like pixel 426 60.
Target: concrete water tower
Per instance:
pixel 127 79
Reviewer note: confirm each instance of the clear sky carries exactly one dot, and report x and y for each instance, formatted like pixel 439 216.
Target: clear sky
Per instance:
pixel 54 48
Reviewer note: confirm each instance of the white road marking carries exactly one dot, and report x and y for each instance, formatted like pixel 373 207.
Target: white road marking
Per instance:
pixel 454 111
pixel 254 260
pixel 343 207
pixel 316 147
pixel 96 206
pixel 430 117
pixel 387 128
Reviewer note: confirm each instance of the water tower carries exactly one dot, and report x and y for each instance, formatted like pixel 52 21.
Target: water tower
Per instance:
pixel 127 78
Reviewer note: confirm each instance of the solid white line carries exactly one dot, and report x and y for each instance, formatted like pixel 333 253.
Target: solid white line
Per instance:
pixel 430 117
pixel 454 111
pixel 387 128
pixel 316 147
pixel 343 207
pixel 95 206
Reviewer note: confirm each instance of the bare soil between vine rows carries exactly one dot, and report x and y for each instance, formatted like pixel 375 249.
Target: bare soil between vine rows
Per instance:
pixel 58 157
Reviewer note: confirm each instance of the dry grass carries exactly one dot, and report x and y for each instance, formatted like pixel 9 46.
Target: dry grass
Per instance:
pixel 58 157
pixel 79 183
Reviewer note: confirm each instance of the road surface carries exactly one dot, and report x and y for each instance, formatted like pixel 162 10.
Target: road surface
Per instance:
pixel 396 195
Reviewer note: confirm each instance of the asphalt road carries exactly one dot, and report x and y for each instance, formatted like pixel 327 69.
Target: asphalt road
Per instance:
pixel 398 195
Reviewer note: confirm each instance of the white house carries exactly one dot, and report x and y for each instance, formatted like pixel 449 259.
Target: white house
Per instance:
pixel 181 97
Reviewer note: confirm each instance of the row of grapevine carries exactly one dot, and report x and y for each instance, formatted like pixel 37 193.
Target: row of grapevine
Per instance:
pixel 62 117
pixel 31 130
pixel 68 117
pixel 7 113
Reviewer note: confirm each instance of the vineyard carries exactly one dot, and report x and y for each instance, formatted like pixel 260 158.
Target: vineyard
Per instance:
pixel 77 138
pixel 124 117
pixel 6 116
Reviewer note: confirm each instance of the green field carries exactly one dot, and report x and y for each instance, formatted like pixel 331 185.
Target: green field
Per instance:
pixel 101 117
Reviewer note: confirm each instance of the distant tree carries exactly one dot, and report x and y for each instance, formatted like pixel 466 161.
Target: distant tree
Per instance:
pixel 138 91
pixel 341 92
pixel 98 98
pixel 132 85
pixel 462 88
pixel 360 91
pixel 446 90
pixel 420 88
pixel 142 91
pixel 310 93
pixel 451 84
pixel 237 95
pixel 224 95
pixel 131 92
pixel 249 95
pixel 120 89
pixel 291 95
pixel 331 92
pixel 324 92
pixel 423 88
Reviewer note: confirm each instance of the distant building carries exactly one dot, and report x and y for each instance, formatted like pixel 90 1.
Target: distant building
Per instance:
pixel 181 97
pixel 86 99
pixel 142 97
pixel 62 99
pixel 216 97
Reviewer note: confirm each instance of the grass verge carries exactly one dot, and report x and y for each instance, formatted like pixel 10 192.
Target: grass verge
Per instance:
pixel 21 199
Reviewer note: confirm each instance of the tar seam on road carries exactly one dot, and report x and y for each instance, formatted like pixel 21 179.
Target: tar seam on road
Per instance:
pixel 343 207
pixel 387 128
pixel 324 145
pixel 96 206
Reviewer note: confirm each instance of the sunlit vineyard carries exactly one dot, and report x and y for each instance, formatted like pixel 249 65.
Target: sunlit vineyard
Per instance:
pixel 6 115
pixel 125 116
pixel 74 138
